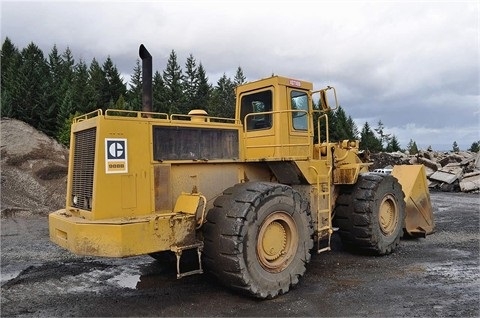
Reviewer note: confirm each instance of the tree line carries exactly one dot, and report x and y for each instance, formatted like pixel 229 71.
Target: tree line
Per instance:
pixel 48 91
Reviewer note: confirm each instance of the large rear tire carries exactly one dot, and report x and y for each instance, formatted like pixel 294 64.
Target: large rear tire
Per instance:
pixel 371 214
pixel 258 238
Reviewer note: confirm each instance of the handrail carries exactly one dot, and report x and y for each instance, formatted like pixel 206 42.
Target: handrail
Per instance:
pixel 327 139
pixel 203 214
pixel 278 145
pixel 328 210
pixel 136 114
pixel 86 116
pixel 201 118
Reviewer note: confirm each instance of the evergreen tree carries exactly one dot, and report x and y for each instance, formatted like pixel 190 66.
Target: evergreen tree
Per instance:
pixel 159 93
pixel 66 108
pixel 223 99
pixel 134 94
pixel 120 103
pixel 173 80
pixel 204 89
pixel 68 69
pixel 333 126
pixel 352 129
pixel 338 125
pixel 384 137
pixel 60 82
pixel 368 140
pixel 10 85
pixel 113 86
pixel 341 127
pixel 33 107
pixel 475 147
pixel 412 147
pixel 96 83
pixel 393 145
pixel 239 78
pixel 81 90
pixel 63 135
pixel 55 66
pixel 68 61
pixel 455 147
pixel 191 82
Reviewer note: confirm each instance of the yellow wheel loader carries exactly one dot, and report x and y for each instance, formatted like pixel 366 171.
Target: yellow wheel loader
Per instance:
pixel 252 196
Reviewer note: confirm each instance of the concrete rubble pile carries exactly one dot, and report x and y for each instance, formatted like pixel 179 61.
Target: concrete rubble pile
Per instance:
pixel 446 171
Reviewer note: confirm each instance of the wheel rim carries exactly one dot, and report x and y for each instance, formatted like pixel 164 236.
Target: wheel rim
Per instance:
pixel 388 215
pixel 277 241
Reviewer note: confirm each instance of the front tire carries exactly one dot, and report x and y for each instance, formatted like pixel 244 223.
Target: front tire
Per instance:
pixel 371 214
pixel 258 238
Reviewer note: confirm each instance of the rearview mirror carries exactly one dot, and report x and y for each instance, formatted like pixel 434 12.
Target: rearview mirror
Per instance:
pixel 323 99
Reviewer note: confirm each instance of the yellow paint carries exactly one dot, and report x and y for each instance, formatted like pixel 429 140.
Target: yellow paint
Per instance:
pixel 419 219
pixel 121 237
pixel 139 205
pixel 187 203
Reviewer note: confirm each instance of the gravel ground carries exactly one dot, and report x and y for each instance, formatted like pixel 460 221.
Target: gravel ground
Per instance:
pixel 434 277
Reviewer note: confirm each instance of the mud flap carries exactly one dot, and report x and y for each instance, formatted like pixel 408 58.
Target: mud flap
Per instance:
pixel 419 216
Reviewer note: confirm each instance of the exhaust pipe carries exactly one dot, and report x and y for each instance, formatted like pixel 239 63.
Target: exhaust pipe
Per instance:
pixel 147 95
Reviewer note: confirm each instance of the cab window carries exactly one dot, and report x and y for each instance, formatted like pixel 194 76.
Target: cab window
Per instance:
pixel 299 101
pixel 252 104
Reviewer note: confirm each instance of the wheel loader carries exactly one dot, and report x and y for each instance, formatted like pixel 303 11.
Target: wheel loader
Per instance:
pixel 252 197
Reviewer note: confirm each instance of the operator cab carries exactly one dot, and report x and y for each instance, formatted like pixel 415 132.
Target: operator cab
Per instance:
pixel 274 113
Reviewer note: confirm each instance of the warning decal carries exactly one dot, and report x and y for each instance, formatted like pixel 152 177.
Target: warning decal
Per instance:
pixel 116 155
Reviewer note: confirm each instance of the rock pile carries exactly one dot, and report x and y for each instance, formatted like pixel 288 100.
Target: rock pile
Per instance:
pixel 446 171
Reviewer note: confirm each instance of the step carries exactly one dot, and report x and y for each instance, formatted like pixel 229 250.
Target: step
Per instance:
pixel 178 250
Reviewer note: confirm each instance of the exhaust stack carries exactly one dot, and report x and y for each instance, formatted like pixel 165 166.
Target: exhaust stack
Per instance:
pixel 147 95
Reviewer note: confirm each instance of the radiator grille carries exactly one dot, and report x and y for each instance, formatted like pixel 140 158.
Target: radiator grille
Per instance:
pixel 83 167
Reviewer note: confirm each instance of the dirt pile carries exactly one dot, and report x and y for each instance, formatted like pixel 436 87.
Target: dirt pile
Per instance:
pixel 33 170
pixel 446 171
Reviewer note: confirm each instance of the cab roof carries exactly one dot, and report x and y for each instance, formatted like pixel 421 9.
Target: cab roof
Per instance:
pixel 275 81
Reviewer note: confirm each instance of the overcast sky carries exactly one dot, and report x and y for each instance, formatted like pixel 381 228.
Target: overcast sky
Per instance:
pixel 413 65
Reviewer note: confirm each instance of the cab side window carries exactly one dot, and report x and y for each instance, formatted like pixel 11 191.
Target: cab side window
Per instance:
pixel 299 101
pixel 253 108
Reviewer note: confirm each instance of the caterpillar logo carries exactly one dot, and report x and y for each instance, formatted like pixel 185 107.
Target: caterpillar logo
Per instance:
pixel 116 155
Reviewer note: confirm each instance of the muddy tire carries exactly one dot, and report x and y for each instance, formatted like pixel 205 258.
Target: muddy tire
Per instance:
pixel 258 238
pixel 371 214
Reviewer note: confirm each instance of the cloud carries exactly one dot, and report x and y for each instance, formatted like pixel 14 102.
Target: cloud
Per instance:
pixel 414 65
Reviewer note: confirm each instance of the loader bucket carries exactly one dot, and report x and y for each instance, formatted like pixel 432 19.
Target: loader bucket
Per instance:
pixel 419 216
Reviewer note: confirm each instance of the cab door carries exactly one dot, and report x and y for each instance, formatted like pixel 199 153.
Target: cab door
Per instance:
pixel 257 118
pixel 299 124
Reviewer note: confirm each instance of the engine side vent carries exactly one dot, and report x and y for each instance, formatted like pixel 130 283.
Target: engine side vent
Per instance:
pixel 83 167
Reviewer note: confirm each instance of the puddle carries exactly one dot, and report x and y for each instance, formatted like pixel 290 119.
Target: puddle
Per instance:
pixel 454 253
pixel 10 272
pixel 141 280
pixel 142 275
pixel 454 273
pixel 443 209
pixel 5 277
pixel 126 280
